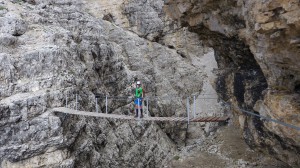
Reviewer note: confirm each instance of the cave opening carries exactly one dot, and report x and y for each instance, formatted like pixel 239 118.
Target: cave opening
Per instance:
pixel 297 87
pixel 241 76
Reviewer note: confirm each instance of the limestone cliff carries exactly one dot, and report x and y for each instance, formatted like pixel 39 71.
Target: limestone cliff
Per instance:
pixel 256 45
pixel 51 49
pixel 257 50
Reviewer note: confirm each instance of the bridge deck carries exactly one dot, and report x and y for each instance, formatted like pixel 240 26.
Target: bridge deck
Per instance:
pixel 126 117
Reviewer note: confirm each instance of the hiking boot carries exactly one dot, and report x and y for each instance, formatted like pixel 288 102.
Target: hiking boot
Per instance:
pixel 136 114
pixel 142 113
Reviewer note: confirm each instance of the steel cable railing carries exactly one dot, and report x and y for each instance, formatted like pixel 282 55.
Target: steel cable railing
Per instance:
pixel 172 97
pixel 269 119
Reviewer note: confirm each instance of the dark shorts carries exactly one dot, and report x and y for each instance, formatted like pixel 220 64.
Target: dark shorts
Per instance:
pixel 138 101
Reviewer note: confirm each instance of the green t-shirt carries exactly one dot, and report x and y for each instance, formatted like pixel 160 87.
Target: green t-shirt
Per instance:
pixel 138 92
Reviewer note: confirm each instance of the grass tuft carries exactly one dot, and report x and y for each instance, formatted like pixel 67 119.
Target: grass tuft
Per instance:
pixel 176 157
pixel 3 8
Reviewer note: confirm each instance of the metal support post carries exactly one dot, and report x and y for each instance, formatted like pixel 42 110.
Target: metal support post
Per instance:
pixel 76 101
pixel 106 104
pixel 25 116
pixel 147 107
pixel 139 111
pixel 97 105
pixel 66 101
pixel 194 111
pixel 187 109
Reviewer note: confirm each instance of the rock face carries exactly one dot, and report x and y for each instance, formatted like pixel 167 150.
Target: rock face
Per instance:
pixel 51 50
pixel 248 40
pixel 54 49
pixel 256 45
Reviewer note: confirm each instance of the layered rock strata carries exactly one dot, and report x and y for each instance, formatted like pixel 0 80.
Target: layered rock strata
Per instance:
pixel 256 46
pixel 51 50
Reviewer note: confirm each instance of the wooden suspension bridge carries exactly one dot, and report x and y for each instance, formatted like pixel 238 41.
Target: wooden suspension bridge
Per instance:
pixel 146 118
pixel 188 119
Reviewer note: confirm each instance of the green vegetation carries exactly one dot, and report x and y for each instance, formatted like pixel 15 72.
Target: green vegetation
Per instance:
pixel 3 8
pixel 176 157
pixel 280 88
pixel 18 2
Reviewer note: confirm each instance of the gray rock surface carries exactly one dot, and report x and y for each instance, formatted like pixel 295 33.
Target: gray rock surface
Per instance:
pixel 255 45
pixel 50 50
pixel 256 49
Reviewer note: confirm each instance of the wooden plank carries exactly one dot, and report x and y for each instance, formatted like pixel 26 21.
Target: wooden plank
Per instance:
pixel 210 119
pixel 125 117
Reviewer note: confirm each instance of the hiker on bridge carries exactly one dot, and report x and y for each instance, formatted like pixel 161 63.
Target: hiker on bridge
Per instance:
pixel 138 101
